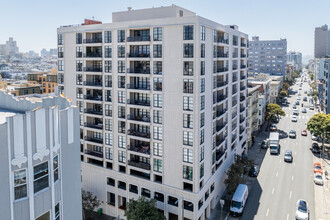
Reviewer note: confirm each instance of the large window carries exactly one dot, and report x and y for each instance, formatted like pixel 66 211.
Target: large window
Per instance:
pixel 79 79
pixel 158 165
pixel 108 139
pixel 60 39
pixel 202 33
pixel 121 142
pixel 188 138
pixel 108 66
pixel 57 211
pixel 158 67
pixel 202 102
pixel 188 103
pixel 79 52
pixel 121 51
pixel 187 172
pixel 158 149
pixel 108 124
pixel 187 155
pixel 55 167
pixel 60 65
pixel 188 86
pixel 41 180
pixel 107 80
pixel 202 68
pixel 157 51
pixel 188 50
pixel 158 34
pixel 60 52
pixel 158 133
pixel 202 50
pixel 108 153
pixel 158 100
pixel 79 65
pixel 202 119
pixel 121 97
pixel 201 171
pixel 122 156
pixel 107 36
pixel 78 38
pixel 121 35
pixel 121 66
pixel 202 85
pixel 20 186
pixel 188 68
pixel 158 119
pixel 188 121
pixel 201 141
pixel 188 32
pixel 108 51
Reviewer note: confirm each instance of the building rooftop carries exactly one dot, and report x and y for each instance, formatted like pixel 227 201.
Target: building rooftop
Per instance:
pixel 4 114
pixel 253 89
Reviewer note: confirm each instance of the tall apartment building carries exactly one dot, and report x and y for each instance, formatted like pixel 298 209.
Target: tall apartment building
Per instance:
pixel 39 163
pixel 162 99
pixel 321 41
pixel 10 48
pixel 295 58
pixel 267 56
pixel 252 116
pixel 48 81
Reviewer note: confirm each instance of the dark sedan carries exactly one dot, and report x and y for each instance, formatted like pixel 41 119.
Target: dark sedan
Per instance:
pixel 254 171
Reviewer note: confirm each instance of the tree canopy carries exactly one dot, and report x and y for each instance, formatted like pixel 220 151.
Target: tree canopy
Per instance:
pixel 273 110
pixel 89 201
pixel 143 209
pixel 284 93
pixel 317 123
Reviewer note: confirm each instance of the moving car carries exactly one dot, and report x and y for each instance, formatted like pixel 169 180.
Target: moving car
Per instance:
pixel 254 171
pixel 297 102
pixel 317 168
pixel 265 144
pixel 302 212
pixel 305 98
pixel 294 106
pixel 239 199
pixel 318 179
pixel 316 148
pixel 288 156
pixel 295 112
pixel 304 110
pixel 311 107
pixel 304 132
pixel 294 118
pixel 273 127
pixel 292 134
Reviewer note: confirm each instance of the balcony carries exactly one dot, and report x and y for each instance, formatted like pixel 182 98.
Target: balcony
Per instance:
pixel 234 67
pixel 93 83
pixel 139 70
pixel 93 55
pixel 221 126
pixel 222 69
pixel 92 41
pixel 137 164
pixel 94 98
pixel 138 38
pixel 220 84
pixel 234 78
pixel 138 102
pixel 234 103
pixel 222 40
pixel 243 45
pixel 222 55
pixel 242 98
pixel 241 130
pixel 241 119
pixel 221 98
pixel 139 55
pixel 94 153
pixel 95 126
pixel 219 154
pixel 220 113
pixel 93 111
pixel 243 55
pixel 138 133
pixel 243 66
pixel 93 69
pixel 242 87
pixel 220 141
pixel 140 149
pixel 243 77
pixel 242 109
pixel 92 139
pixel 138 118
pixel 138 87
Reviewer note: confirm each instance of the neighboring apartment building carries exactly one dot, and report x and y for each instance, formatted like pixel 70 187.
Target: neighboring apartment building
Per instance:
pixel 3 84
pixel 267 56
pixel 40 164
pixel 22 88
pixel 252 118
pixel 162 99
pixel 289 71
pixel 48 81
pixel 276 86
pixel 295 58
pixel 9 49
pixel 323 81
pixel 321 42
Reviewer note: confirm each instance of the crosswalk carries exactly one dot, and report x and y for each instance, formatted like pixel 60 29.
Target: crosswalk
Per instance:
pixel 298 117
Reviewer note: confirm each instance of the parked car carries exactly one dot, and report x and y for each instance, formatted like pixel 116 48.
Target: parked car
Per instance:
pixel 314 138
pixel 295 112
pixel 254 171
pixel 292 134
pixel 302 212
pixel 304 110
pixel 304 132
pixel 316 148
pixel 294 106
pixel 294 118
pixel 288 156
pixel 311 107
pixel 297 102
pixel 273 127
pixel 318 179
pixel 317 168
pixel 305 98
pixel 265 144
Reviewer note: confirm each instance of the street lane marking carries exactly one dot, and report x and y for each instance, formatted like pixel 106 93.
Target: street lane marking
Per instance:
pixel 287 217
pixel 296 143
pixel 267 212
pixel 290 194
pixel 292 178
pixel 295 153
pixel 280 160
pixel 276 173
pixel 273 190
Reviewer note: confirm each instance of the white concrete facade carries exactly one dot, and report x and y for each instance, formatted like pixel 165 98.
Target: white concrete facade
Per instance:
pixel 170 121
pixel 252 118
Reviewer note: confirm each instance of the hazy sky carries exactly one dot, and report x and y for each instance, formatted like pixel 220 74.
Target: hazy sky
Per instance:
pixel 33 23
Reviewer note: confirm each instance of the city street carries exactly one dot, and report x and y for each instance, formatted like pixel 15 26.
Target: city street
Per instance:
pixel 279 185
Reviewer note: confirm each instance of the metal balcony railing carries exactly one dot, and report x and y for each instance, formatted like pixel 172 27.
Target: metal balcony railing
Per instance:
pixel 138 102
pixel 95 126
pixel 93 97
pixel 140 149
pixel 138 87
pixel 93 83
pixel 222 69
pixel 138 133
pixel 139 55
pixel 94 153
pixel 138 118
pixel 92 139
pixel 92 55
pixel 139 70
pixel 92 40
pixel 93 111
pixel 137 164
pixel 138 38
pixel 93 69
pixel 222 40
pixel 220 84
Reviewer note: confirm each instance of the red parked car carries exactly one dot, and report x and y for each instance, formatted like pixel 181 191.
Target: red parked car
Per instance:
pixel 303 132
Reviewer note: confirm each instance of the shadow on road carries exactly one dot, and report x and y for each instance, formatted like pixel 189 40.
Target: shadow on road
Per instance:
pixel 253 203
pixel 283 134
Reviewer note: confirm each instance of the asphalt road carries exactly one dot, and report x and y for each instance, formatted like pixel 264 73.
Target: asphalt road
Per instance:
pixel 279 185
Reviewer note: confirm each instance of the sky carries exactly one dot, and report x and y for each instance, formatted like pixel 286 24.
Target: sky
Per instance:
pixel 34 23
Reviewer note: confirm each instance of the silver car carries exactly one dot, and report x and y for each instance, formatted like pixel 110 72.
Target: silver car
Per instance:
pixel 302 212
pixel 318 178
pixel 288 156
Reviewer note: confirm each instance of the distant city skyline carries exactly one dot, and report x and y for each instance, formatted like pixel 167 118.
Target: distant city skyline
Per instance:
pixel 34 25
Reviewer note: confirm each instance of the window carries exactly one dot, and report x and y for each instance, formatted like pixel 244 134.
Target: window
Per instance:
pixel 187 172
pixel 60 65
pixel 78 38
pixel 202 85
pixel 158 84
pixel 121 127
pixel 188 121
pixel 121 81
pixel 79 65
pixel 202 119
pixel 188 68
pixel 108 124
pixel 40 177
pixel 121 51
pixel 202 50
pixel 158 149
pixel 202 33
pixel 108 139
pixel 108 80
pixel 158 100
pixel 158 133
pixel 202 102
pixel 108 110
pixel 55 167
pixel 111 198
pixel 121 112
pixel 60 39
pixel 20 187
pixel 122 156
pixel 121 96
pixel 107 36
pixel 57 211
pixel 201 154
pixel 187 155
pixel 188 85
pixel 79 52
pixel 158 119
pixel 79 79
pixel 188 138
pixel 188 32
pixel 60 53
pixel 202 68
pixel 188 103
pixel 108 66
pixel 157 51
pixel 202 137
pixel 188 50
pixel 108 153
pixel 81 120
pixel 121 36
pixel 201 171
pixel 121 142
pixel 158 69
pixel 108 51
pixel 158 34
pixel 121 66
pixel 158 165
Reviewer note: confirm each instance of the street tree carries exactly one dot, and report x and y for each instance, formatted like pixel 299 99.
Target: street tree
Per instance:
pixel 142 209
pixel 89 202
pixel 286 86
pixel 272 111
pixel 319 125
pixel 283 93
pixel 295 74
pixel 311 76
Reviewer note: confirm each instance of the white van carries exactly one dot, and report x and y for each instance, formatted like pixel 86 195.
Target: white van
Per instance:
pixel 239 199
